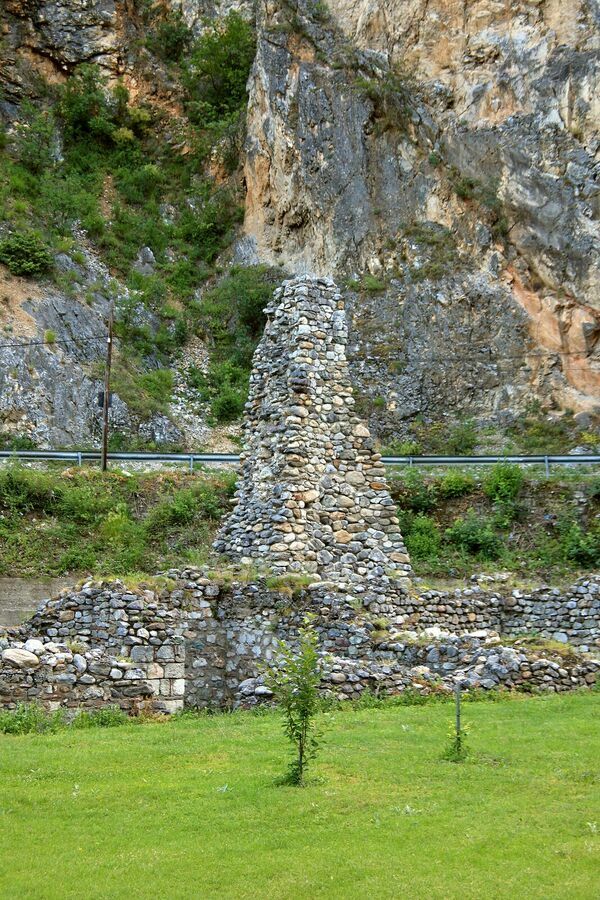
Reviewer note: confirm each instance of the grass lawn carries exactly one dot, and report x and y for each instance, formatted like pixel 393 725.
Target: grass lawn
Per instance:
pixel 190 808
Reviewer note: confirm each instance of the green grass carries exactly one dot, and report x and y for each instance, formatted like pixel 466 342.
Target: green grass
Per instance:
pixel 190 808
pixel 82 521
pixel 79 521
pixel 502 518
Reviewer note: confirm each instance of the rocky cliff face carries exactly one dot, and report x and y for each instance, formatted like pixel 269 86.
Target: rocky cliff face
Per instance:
pixel 439 158
pixel 451 151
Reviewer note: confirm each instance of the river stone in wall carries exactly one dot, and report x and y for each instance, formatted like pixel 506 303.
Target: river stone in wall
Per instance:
pixel 312 495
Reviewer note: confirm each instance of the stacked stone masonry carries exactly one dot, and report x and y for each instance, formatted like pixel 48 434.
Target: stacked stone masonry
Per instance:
pixel 312 495
pixel 314 512
pixel 195 642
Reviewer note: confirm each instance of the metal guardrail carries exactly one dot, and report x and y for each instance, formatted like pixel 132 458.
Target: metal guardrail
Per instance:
pixel 80 456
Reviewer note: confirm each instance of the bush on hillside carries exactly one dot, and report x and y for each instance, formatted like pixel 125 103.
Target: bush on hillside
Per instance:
pixel 217 69
pixel 25 254
pixel 34 137
pixel 170 36
pixel 474 535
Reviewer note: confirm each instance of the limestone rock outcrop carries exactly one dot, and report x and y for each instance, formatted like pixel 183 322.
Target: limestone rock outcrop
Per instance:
pixel 441 159
pixel 312 496
pixel 376 129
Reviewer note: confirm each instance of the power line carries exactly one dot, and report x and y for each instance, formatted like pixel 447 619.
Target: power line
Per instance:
pixel 56 341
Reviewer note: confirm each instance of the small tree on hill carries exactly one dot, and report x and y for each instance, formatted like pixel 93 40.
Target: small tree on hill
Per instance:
pixel 295 685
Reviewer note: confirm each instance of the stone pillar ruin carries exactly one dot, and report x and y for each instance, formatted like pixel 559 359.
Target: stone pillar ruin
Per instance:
pixel 312 495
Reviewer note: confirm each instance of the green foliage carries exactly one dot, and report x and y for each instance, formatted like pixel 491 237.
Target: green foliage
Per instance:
pixel 10 441
pixel 371 284
pixel 423 539
pixel 84 105
pixel 474 535
pixel 54 523
pixel 457 749
pixel 114 178
pixel 485 194
pixel 537 435
pixel 169 37
pixel 208 221
pixel 217 69
pixel 578 545
pixel 436 246
pixel 145 392
pixel 455 484
pixel 444 439
pixel 393 97
pixel 231 316
pixel 30 718
pixel 185 506
pixel 26 254
pixel 503 483
pixel 25 490
pixel 413 492
pixel 401 448
pixel 34 137
pixel 462 439
pixel 503 486
pixel 295 682
pixel 106 717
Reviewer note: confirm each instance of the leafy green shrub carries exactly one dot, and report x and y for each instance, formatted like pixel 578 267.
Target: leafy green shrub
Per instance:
pixel 228 404
pixel 26 254
pixel 10 441
pixel 158 384
pixel 457 749
pixel 503 483
pixel 26 490
pixel 34 137
pixel 94 115
pixel 462 439
pixel 423 539
pixel 83 502
pixel 474 535
pixel 205 224
pixel 180 509
pixel 231 316
pixel 79 558
pixel 401 448
pixel 139 184
pixel 412 492
pixel 84 104
pixel 170 37
pixel 217 69
pixel 455 484
pixel 579 546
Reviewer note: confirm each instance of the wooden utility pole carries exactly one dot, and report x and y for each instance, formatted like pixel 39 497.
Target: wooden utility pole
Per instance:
pixel 106 398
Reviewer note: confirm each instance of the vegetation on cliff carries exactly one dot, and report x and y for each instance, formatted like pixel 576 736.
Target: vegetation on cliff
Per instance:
pixel 88 163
